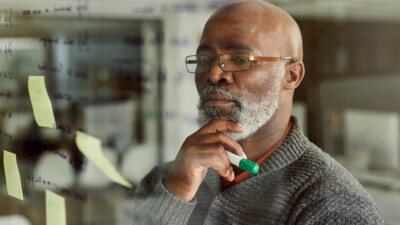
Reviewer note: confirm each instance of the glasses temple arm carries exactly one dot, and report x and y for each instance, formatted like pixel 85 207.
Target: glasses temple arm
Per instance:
pixel 287 58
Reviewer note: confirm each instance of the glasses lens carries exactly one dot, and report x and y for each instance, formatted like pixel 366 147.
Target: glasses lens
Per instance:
pixel 198 63
pixel 236 61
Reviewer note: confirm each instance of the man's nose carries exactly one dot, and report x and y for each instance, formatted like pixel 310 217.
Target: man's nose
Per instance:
pixel 217 75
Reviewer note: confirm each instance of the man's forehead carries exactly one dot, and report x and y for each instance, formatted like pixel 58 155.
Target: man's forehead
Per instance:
pixel 250 16
pixel 269 29
pixel 241 47
pixel 233 23
pixel 245 37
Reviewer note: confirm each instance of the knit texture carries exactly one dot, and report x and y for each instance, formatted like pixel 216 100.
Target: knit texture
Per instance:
pixel 297 184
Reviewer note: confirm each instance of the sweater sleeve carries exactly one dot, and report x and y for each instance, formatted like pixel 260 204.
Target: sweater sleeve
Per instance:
pixel 153 204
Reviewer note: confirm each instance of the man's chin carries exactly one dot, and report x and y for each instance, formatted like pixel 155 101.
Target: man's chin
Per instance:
pixel 204 118
pixel 220 111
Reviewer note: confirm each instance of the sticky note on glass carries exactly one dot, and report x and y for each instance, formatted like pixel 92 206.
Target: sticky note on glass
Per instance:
pixel 55 209
pixel 41 104
pixel 13 178
pixel 91 148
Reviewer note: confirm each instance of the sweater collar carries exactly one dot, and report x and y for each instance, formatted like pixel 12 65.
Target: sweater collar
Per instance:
pixel 291 149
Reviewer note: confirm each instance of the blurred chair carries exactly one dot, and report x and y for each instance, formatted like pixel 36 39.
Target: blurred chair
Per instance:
pixel 372 139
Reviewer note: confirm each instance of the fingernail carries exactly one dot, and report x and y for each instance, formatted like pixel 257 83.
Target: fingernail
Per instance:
pixel 240 126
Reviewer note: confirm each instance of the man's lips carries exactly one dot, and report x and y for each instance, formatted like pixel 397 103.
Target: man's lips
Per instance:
pixel 216 100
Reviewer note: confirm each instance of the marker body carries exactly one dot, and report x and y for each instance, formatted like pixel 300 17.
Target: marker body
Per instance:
pixel 243 163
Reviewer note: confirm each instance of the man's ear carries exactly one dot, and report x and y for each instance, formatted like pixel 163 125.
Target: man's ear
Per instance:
pixel 295 75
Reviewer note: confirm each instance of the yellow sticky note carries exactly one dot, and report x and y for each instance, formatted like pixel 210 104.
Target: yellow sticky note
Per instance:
pixel 41 104
pixel 91 148
pixel 13 178
pixel 55 209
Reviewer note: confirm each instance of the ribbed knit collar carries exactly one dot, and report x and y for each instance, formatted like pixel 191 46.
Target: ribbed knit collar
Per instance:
pixel 291 149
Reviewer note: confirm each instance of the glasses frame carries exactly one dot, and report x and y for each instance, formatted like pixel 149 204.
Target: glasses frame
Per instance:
pixel 251 58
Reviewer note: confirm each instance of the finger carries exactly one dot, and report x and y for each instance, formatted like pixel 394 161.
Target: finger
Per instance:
pixel 217 126
pixel 214 156
pixel 223 139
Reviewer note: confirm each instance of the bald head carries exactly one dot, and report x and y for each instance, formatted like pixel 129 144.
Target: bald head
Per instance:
pixel 255 92
pixel 267 21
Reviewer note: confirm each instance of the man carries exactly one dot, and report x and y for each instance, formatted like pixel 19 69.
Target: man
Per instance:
pixel 248 64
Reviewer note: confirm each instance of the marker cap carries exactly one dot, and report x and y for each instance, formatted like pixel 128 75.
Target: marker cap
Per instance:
pixel 248 165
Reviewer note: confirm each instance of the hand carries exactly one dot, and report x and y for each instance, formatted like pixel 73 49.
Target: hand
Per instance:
pixel 203 149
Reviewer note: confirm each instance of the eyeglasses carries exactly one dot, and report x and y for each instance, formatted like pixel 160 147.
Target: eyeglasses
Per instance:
pixel 229 62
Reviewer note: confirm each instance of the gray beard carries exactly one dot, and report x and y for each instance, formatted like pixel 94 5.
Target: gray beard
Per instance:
pixel 252 115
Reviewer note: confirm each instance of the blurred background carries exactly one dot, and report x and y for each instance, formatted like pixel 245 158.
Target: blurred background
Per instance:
pixel 115 70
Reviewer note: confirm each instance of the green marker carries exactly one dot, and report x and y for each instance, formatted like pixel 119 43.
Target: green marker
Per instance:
pixel 243 163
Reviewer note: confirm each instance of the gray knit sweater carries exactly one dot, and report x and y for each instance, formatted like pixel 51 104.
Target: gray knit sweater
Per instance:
pixel 297 184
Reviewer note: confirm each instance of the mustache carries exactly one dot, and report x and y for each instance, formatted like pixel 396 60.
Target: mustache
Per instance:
pixel 217 90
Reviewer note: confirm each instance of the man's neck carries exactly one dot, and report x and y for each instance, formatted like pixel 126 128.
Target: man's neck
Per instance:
pixel 265 138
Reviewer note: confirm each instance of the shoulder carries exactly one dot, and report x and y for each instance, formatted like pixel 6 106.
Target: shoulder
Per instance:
pixel 331 194
pixel 324 172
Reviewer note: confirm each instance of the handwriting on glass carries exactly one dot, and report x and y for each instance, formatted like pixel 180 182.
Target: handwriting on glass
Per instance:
pixel 71 161
pixel 188 118
pixel 6 134
pixel 167 8
pixel 7 50
pixel 80 8
pixel 8 18
pixel 67 129
pixel 80 73
pixel 6 113
pixel 6 94
pixel 7 74
pixel 46 182
pixel 81 40
pixel 67 97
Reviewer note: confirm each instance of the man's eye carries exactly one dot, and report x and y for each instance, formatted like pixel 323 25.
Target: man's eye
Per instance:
pixel 203 61
pixel 241 60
